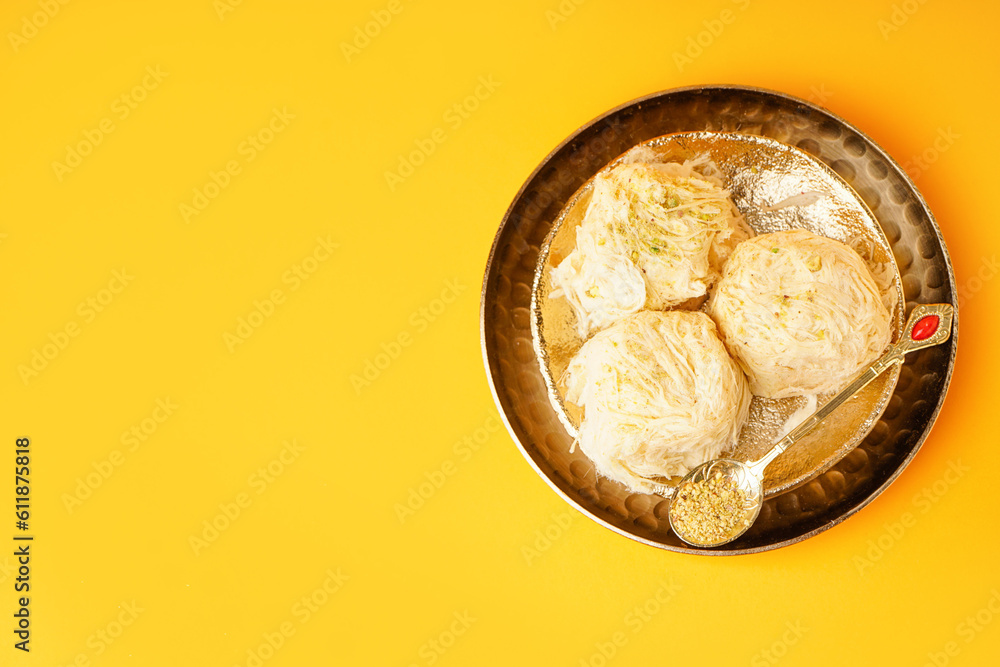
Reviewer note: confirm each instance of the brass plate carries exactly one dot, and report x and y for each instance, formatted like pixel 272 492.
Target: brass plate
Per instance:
pixel 759 172
pixel 514 372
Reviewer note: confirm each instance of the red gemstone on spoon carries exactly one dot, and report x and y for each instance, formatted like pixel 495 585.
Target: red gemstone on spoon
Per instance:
pixel 925 327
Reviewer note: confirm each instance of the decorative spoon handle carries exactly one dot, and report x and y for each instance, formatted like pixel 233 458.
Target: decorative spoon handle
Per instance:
pixel 927 325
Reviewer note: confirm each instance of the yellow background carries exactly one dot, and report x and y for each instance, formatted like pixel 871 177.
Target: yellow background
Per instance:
pixel 334 507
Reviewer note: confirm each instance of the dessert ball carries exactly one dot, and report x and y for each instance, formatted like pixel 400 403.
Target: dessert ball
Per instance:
pixel 660 395
pixel 654 235
pixel 801 313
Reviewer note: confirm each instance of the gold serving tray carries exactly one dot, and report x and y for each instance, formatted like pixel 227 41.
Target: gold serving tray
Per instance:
pixel 544 432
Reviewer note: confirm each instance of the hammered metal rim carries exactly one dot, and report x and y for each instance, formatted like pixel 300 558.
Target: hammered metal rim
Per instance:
pixel 492 371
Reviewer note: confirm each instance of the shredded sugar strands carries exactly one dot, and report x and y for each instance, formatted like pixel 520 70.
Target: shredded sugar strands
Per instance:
pixel 660 394
pixel 654 236
pixel 801 313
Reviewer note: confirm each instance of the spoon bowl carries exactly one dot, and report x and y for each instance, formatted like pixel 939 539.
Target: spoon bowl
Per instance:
pixel 730 517
pixel 719 500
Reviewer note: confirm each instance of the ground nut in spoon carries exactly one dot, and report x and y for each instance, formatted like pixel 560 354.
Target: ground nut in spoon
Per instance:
pixel 719 500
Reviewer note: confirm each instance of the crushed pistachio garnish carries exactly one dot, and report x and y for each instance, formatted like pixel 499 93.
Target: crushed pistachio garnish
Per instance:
pixel 710 510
